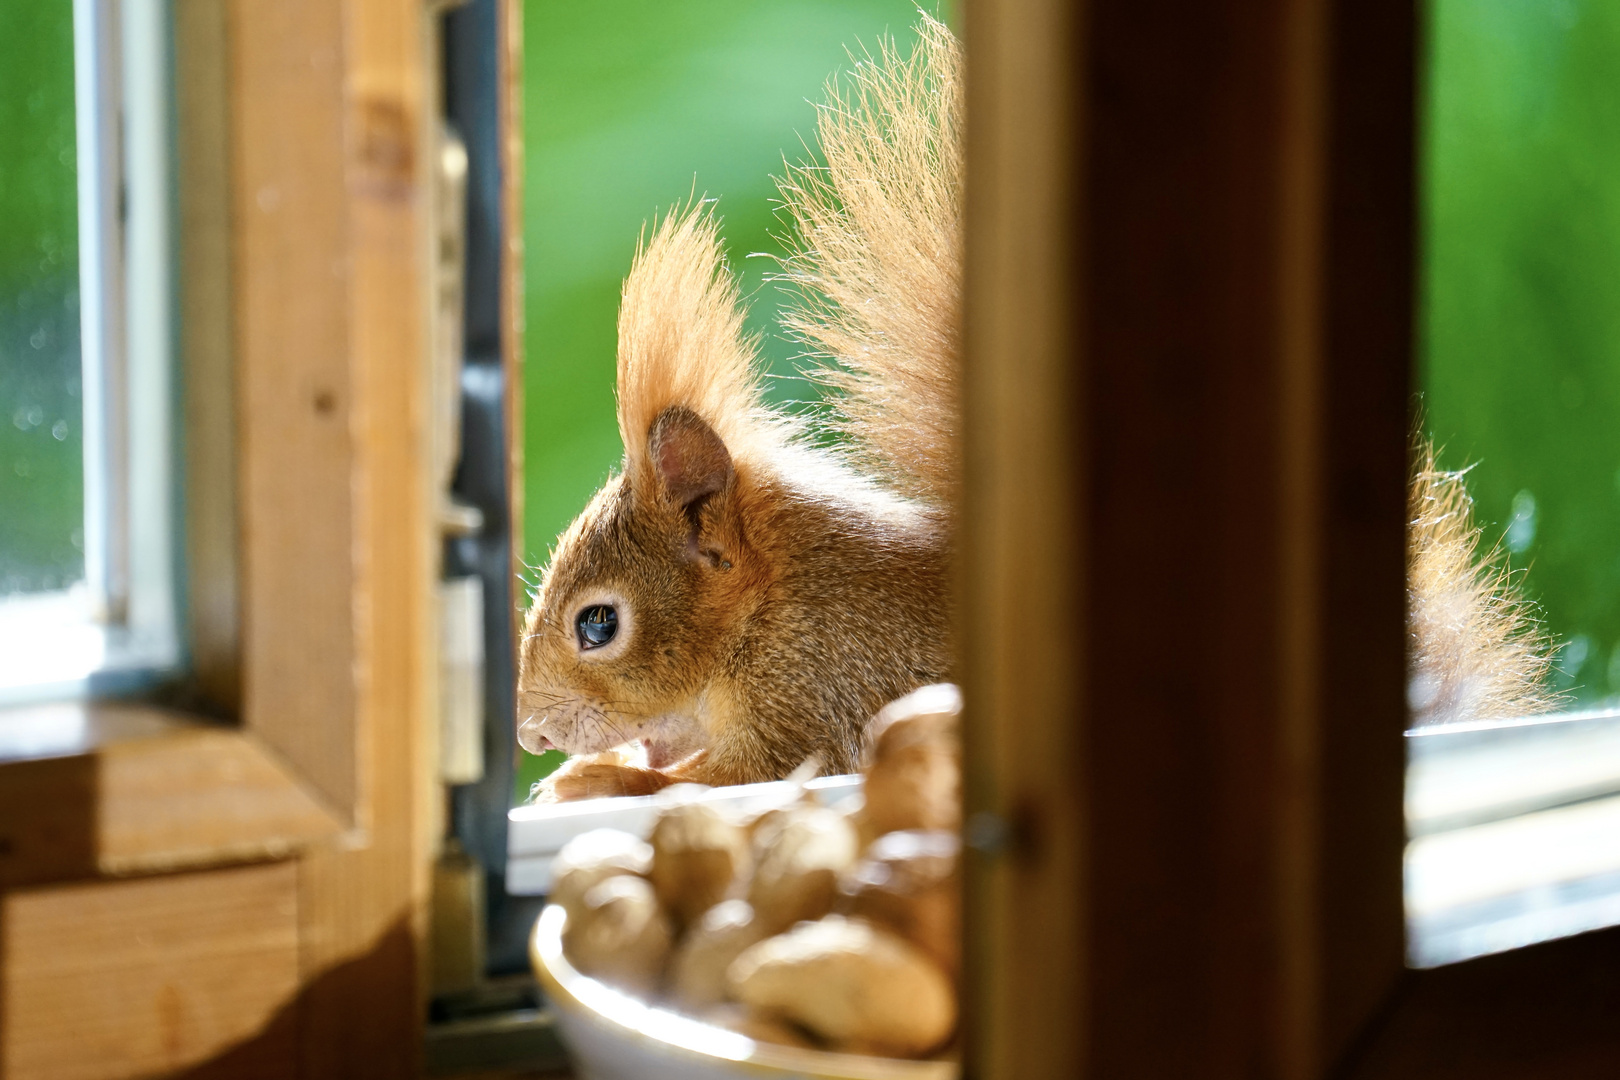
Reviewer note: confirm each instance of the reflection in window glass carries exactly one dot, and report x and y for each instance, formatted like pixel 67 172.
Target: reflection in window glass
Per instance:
pixel 41 416
pixel 1520 323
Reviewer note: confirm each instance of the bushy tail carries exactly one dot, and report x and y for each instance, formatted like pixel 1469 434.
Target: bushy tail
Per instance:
pixel 1477 651
pixel 878 261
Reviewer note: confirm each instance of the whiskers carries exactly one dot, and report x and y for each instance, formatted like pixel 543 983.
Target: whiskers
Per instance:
pixel 576 724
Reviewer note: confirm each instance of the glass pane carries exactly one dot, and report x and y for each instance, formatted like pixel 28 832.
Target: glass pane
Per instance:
pixel 1521 302
pixel 631 108
pixel 41 422
pixel 1511 818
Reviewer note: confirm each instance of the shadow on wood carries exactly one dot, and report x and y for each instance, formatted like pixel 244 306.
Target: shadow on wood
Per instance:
pixel 1550 1011
pixel 322 1033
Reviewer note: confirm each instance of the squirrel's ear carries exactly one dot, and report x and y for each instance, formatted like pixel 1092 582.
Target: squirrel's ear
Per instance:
pixel 687 456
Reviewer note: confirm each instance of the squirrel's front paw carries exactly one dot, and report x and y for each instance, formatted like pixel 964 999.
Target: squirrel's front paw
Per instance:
pixel 597 776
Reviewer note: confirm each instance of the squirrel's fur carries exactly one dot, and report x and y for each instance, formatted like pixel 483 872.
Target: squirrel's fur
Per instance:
pixel 878 261
pixel 773 591
pixel 1476 650
pixel 681 341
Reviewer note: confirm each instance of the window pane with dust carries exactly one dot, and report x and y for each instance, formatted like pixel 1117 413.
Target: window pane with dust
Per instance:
pixel 1520 317
pixel 1513 785
pixel 41 414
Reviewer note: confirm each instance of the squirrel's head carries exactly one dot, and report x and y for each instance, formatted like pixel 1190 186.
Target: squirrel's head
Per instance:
pixel 647 586
pixel 641 594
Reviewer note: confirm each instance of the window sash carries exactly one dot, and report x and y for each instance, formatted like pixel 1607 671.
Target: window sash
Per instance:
pixel 120 626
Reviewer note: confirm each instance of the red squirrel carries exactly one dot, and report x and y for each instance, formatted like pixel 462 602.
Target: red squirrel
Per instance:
pixel 741 598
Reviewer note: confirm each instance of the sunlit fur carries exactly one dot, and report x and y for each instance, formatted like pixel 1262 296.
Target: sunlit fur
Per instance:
pixel 681 342
pixel 827 592
pixel 878 260
pixel 1477 651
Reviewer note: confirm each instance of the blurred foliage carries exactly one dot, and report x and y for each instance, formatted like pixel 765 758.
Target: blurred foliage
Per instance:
pixel 41 418
pixel 632 107
pixel 1520 299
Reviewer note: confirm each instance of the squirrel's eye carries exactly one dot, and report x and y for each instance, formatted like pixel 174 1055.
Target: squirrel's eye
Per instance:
pixel 596 626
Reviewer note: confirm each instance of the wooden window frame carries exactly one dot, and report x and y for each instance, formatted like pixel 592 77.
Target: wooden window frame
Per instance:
pixel 1189 336
pixel 313 550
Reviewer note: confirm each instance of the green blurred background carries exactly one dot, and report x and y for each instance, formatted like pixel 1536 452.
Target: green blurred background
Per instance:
pixel 631 107
pixel 1519 332
pixel 41 428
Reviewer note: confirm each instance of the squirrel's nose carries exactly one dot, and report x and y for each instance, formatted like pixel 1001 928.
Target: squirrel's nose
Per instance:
pixel 529 737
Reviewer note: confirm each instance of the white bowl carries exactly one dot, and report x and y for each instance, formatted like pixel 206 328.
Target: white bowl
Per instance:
pixel 616 1036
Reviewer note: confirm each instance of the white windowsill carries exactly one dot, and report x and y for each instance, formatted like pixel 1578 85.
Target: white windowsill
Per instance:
pixel 1515 834
pixel 51 645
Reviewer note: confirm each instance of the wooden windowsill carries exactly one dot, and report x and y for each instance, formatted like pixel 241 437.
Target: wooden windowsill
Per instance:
pixel 91 790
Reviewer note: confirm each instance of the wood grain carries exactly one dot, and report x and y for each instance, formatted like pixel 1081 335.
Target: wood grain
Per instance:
pixel 202 149
pixel 137 978
pixel 198 796
pixel 1297 1051
pixel 1023 545
pixel 1366 305
pixel 364 905
pixel 1188 357
pixel 111 789
pixel 510 118
pixel 292 270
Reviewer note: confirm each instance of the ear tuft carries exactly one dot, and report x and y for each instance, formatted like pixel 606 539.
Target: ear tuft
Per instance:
pixel 689 458
pixel 682 342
